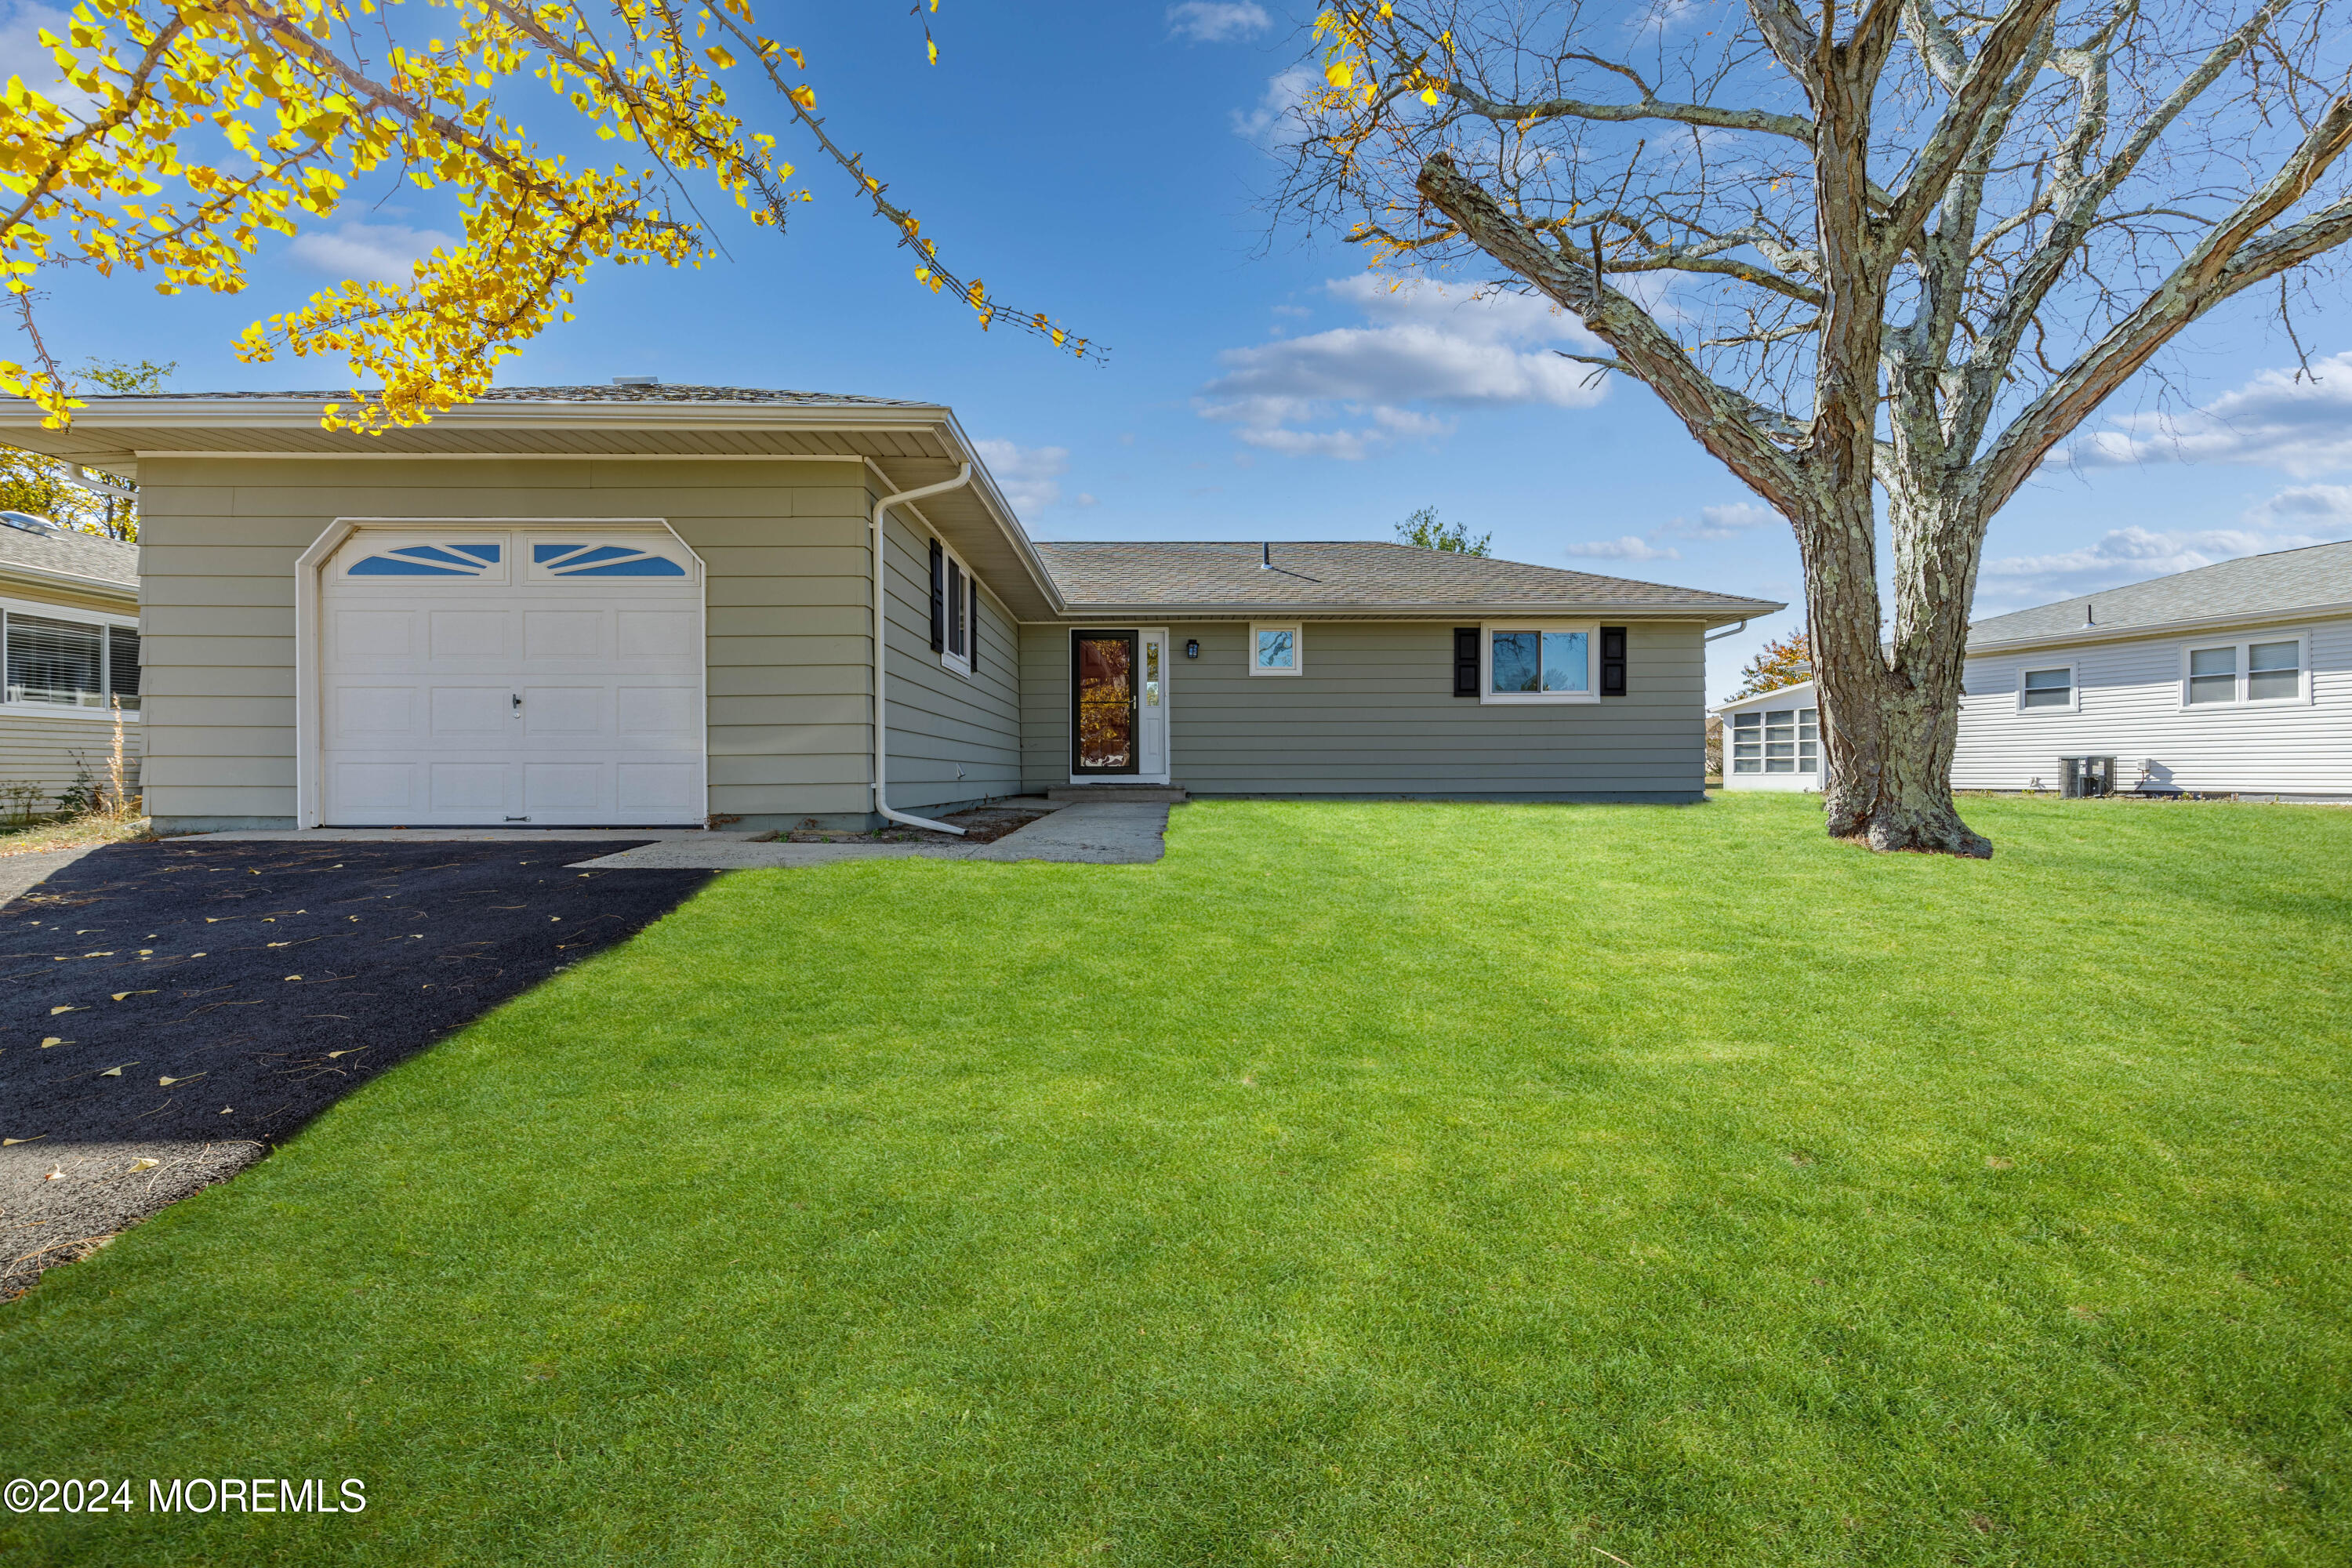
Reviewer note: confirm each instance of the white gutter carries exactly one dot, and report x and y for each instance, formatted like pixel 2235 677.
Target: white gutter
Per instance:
pixel 881 625
pixel 83 478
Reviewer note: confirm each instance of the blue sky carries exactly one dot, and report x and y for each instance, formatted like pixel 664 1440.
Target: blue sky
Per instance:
pixel 1103 163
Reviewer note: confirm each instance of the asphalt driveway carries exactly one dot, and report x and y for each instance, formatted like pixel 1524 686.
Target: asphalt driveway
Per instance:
pixel 169 1011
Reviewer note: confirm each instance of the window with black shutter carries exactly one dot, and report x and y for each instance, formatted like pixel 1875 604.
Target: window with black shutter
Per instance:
pixel 1612 661
pixel 1466 661
pixel 955 607
pixel 939 598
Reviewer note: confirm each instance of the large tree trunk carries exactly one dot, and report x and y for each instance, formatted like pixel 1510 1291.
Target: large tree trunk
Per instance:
pixel 1890 711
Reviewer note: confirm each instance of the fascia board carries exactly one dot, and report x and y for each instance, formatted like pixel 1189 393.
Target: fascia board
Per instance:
pixel 1710 615
pixel 108 587
pixel 255 413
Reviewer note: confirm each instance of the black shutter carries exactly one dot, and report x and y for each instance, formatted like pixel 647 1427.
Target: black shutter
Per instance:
pixel 1612 661
pixel 972 632
pixel 1466 661
pixel 939 598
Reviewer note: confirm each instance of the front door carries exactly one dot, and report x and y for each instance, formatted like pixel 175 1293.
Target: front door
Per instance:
pixel 1104 683
pixel 1119 705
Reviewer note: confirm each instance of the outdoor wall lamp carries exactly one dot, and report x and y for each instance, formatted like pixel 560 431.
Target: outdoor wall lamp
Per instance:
pixel 1192 648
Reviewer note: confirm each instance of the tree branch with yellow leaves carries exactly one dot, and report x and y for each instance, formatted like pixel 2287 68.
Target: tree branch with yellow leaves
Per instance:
pixel 179 134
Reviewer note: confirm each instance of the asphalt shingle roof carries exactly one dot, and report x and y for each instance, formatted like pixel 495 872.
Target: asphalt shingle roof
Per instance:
pixel 78 554
pixel 1341 573
pixel 2254 586
pixel 607 394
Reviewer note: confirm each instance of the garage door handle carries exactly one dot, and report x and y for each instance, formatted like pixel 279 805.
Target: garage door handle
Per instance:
pixel 517 699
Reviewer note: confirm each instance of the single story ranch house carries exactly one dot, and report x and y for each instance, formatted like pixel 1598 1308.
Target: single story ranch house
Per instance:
pixel 2233 679
pixel 644 605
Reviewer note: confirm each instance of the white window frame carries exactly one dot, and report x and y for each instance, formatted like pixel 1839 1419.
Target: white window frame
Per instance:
pixel 2073 703
pixel 1763 758
pixel 85 618
pixel 2243 646
pixel 1297 646
pixel 960 663
pixel 1489 696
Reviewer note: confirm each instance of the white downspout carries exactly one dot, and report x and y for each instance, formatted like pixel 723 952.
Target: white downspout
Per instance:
pixel 881 627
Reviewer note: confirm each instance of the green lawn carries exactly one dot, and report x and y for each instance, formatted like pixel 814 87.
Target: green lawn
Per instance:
pixel 1398 1184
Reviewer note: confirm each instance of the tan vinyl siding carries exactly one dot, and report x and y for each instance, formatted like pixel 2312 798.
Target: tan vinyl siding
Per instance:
pixel 1372 712
pixel 788 638
pixel 2130 710
pixel 941 719
pixel 41 749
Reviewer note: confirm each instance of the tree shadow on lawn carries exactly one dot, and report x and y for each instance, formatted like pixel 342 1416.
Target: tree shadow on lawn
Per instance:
pixel 169 1011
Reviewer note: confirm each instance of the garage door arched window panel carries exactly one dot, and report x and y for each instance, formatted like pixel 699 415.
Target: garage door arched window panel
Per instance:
pixel 428 560
pixel 587 558
pixel 557 680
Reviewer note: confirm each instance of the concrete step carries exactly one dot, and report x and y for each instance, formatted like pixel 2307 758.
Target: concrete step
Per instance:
pixel 1140 794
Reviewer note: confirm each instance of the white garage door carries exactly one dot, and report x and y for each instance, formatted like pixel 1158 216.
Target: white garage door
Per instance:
pixel 487 676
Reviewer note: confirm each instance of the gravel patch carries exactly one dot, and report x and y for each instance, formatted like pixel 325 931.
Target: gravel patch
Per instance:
pixel 170 1011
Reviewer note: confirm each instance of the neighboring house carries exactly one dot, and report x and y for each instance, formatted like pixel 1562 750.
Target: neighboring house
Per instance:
pixel 649 604
pixel 1772 741
pixel 2235 679
pixel 2232 678
pixel 69 624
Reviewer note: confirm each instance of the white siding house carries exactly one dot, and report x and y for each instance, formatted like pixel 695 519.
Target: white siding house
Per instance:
pixel 1772 742
pixel 2239 710
pixel 2235 679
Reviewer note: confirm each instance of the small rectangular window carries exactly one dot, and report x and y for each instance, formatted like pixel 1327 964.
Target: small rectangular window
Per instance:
pixel 1275 650
pixel 2274 670
pixel 2048 689
pixel 2212 674
pixel 1539 663
pixel 955 609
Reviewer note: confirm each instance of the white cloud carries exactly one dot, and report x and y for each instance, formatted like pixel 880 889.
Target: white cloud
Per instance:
pixel 2304 426
pixel 2119 556
pixel 1426 344
pixel 1217 21
pixel 2309 506
pixel 1628 548
pixel 386 252
pixel 1275 123
pixel 1028 476
pixel 1720 521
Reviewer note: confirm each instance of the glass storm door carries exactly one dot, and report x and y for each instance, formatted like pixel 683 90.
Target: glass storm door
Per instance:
pixel 1103 679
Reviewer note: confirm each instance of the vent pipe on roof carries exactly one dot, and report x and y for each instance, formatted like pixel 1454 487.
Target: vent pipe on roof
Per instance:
pixel 2088 619
pixel 1265 555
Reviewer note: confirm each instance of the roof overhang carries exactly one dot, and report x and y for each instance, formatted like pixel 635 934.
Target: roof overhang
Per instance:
pixel 903 446
pixel 95 587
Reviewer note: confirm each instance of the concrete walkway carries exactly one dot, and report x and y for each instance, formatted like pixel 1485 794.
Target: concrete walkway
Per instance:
pixel 1106 833
pixel 1121 834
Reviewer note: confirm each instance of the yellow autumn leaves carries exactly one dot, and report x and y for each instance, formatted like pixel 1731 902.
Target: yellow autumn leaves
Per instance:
pixel 178 135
